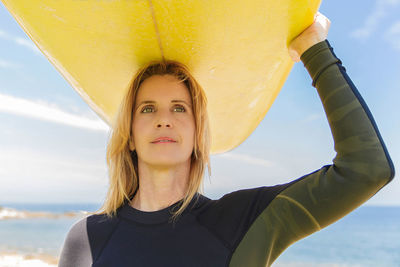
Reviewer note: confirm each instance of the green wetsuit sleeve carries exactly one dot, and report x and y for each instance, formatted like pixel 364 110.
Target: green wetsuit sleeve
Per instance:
pixel 360 169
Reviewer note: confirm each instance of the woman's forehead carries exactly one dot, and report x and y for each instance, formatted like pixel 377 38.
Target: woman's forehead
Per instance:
pixel 162 88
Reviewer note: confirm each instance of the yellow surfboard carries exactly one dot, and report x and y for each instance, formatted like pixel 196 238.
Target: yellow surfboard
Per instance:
pixel 236 49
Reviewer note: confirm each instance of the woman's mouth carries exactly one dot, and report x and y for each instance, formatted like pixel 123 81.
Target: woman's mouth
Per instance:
pixel 163 142
pixel 164 139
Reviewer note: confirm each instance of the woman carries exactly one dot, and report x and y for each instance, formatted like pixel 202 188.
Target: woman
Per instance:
pixel 161 142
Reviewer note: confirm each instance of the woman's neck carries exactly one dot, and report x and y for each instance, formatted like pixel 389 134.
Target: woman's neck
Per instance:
pixel 160 187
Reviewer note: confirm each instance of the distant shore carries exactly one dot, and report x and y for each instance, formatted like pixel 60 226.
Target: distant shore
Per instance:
pixel 10 213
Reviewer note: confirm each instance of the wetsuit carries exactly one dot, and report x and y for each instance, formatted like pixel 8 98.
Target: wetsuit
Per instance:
pixel 251 227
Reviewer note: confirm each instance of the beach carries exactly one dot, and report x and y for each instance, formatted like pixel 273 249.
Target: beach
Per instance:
pixel 33 260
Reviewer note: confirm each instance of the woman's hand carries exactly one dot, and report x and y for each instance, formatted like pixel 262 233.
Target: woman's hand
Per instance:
pixel 315 33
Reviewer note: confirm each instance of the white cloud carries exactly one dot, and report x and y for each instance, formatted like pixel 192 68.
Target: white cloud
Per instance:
pixel 392 35
pixel 246 159
pixel 381 8
pixel 28 175
pixel 312 117
pixel 44 111
pixel 20 41
pixel 24 162
pixel 5 64
pixel 27 43
pixel 4 35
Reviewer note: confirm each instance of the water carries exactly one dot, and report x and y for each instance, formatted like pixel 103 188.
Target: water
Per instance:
pixel 39 235
pixel 369 236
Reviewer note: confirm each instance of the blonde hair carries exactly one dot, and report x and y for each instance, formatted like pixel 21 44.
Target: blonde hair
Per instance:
pixel 123 163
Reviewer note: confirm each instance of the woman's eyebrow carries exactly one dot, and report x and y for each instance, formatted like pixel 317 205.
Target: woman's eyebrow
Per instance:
pixel 172 101
pixel 177 101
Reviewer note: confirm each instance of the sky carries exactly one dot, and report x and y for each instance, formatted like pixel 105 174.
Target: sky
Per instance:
pixel 53 146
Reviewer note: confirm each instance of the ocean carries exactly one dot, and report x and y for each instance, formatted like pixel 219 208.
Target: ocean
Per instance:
pixel 32 235
pixel 369 236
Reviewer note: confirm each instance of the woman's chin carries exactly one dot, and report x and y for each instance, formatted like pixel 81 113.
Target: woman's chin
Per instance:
pixel 166 161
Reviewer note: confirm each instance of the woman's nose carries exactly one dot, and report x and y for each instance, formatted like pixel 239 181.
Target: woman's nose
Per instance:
pixel 159 125
pixel 163 119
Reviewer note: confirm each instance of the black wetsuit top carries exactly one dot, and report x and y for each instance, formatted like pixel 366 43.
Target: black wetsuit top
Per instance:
pixel 251 227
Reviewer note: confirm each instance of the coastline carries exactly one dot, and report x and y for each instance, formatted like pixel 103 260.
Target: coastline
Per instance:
pixel 11 213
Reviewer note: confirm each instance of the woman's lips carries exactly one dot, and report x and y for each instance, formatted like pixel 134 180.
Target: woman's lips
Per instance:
pixel 164 139
pixel 163 142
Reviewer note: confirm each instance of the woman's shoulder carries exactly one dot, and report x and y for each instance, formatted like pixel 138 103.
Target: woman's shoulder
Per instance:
pixel 85 239
pixel 83 230
pixel 77 231
pixel 76 250
pixel 80 228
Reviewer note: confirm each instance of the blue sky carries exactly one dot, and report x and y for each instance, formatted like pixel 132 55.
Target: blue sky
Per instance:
pixel 52 146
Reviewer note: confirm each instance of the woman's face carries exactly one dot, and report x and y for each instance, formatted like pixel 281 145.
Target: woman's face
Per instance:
pixel 163 109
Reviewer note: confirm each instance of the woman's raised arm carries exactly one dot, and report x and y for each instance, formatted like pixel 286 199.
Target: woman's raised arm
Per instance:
pixel 362 166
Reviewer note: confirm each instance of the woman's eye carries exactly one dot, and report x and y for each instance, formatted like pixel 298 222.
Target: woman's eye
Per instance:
pixel 146 108
pixel 180 108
